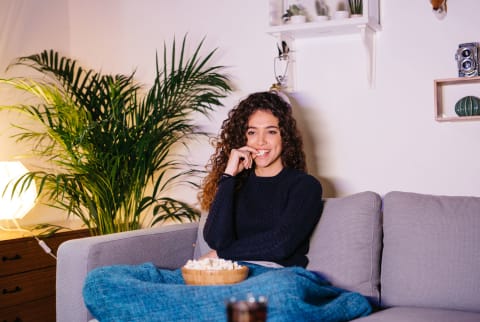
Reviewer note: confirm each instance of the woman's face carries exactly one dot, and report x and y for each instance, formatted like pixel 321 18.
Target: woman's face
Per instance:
pixel 263 134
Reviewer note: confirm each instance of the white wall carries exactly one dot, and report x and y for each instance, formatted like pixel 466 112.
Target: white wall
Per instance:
pixel 386 138
pixel 27 27
pixel 358 138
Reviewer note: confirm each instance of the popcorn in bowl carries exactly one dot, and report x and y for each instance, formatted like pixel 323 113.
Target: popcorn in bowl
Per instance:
pixel 212 264
pixel 213 271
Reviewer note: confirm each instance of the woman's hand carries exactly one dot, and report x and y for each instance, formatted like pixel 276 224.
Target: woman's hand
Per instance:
pixel 240 159
pixel 210 254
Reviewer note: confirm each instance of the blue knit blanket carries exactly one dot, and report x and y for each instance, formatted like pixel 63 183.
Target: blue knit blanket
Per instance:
pixel 147 293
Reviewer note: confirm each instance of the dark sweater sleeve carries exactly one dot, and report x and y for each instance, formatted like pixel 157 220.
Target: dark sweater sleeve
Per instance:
pixel 220 225
pixel 292 229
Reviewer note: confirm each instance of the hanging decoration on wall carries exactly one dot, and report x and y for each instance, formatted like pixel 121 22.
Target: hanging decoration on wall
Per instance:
pixel 280 67
pixel 439 8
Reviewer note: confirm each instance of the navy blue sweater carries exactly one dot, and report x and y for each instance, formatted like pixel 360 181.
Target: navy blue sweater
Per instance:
pixel 268 219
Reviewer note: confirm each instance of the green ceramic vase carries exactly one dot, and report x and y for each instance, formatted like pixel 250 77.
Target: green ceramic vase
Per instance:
pixel 468 106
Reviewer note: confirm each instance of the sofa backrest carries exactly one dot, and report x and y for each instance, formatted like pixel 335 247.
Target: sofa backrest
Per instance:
pixel 346 244
pixel 431 254
pixel 201 246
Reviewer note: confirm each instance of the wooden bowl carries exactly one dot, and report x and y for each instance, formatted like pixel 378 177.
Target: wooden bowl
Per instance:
pixel 214 276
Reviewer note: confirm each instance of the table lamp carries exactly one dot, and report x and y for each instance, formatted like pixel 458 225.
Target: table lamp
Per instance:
pixel 14 205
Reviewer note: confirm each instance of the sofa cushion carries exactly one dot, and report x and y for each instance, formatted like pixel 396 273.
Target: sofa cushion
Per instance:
pixel 201 246
pixel 417 314
pixel 345 246
pixel 431 255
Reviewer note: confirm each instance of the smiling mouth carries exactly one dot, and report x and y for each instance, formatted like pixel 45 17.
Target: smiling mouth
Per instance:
pixel 261 153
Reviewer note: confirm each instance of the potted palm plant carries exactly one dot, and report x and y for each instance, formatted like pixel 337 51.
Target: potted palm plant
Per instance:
pixel 107 143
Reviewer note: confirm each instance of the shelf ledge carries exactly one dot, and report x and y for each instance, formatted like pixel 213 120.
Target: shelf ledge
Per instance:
pixel 323 28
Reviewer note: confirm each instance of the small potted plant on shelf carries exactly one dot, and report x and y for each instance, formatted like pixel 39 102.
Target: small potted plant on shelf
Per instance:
pixel 342 12
pixel 296 13
pixel 322 10
pixel 356 8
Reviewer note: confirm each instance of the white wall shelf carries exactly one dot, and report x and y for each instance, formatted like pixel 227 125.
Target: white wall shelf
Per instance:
pixel 323 28
pixel 441 86
pixel 366 25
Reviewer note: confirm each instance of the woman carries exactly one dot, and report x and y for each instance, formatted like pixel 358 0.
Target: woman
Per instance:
pixel 262 204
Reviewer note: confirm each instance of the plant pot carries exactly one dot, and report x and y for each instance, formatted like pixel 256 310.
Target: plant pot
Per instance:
pixel 298 19
pixel 321 18
pixel 341 14
pixel 356 15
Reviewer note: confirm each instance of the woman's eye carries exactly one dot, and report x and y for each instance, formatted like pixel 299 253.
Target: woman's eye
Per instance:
pixel 250 132
pixel 272 132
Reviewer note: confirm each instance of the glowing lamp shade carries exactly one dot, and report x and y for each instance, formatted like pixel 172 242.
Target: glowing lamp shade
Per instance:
pixel 14 206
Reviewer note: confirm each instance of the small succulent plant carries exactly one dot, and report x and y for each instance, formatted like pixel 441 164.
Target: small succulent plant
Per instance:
pixel 356 7
pixel 321 8
pixel 295 10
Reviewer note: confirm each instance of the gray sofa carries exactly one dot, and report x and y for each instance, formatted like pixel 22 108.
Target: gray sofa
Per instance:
pixel 416 256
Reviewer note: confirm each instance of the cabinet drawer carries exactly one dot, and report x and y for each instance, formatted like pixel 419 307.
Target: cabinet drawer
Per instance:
pixel 24 254
pixel 25 287
pixel 42 310
pixel 21 257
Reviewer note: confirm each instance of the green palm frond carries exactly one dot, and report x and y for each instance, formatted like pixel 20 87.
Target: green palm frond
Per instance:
pixel 107 138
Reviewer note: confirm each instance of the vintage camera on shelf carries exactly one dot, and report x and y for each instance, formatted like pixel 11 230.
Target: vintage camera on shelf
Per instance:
pixel 467 59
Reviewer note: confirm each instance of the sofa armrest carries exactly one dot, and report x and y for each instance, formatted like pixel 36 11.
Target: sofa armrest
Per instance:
pixel 167 246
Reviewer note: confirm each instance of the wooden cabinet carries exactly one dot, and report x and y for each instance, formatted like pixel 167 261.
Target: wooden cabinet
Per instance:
pixel 27 277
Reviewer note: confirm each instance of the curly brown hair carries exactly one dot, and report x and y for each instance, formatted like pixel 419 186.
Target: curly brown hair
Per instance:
pixel 233 136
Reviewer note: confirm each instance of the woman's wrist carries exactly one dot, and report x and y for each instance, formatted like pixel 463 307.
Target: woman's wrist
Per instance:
pixel 225 176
